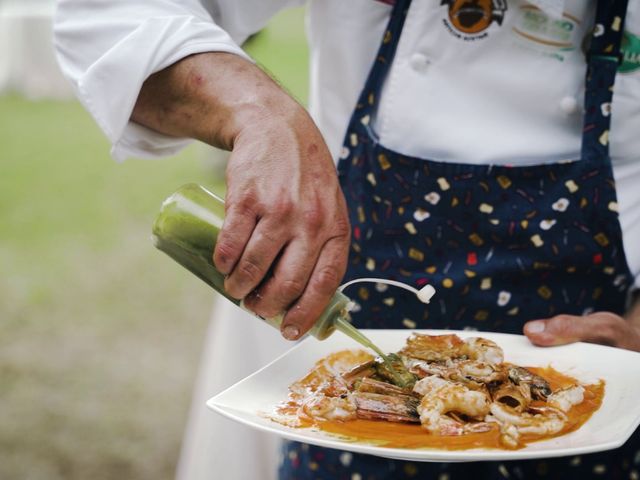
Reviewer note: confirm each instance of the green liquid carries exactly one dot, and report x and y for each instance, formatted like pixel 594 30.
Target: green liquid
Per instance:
pixel 343 325
pixel 349 330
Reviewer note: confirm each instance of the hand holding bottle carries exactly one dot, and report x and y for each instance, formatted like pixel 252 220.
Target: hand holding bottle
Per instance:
pixel 285 239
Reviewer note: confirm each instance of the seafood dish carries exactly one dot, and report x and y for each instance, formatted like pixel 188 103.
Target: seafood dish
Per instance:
pixel 438 391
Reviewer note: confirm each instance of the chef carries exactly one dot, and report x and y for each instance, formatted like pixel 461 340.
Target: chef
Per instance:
pixel 479 148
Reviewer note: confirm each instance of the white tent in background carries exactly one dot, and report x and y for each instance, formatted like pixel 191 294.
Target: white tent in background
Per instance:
pixel 27 61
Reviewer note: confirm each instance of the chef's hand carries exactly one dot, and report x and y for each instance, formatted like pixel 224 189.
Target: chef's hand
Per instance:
pixel 601 327
pixel 285 239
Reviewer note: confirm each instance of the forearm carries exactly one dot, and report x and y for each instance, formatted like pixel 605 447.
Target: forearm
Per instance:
pixel 211 97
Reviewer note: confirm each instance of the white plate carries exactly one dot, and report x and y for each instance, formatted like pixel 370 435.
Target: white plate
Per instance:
pixel 607 429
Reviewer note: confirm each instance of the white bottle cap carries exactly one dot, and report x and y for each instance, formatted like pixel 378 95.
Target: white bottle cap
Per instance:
pixel 426 293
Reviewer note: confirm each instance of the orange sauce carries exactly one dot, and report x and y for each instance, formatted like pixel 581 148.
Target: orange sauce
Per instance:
pixel 579 414
pixel 405 435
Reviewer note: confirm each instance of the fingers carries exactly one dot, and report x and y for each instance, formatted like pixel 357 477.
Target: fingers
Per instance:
pixel 287 281
pixel 261 250
pixel 237 228
pixel 324 281
pixel 602 327
pixel 282 190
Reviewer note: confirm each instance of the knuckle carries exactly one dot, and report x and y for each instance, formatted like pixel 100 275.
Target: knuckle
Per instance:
pixel 327 279
pixel 562 324
pixel 313 215
pixel 244 205
pixel 250 269
pixel 266 236
pixel 313 220
pixel 227 249
pixel 292 288
pixel 283 208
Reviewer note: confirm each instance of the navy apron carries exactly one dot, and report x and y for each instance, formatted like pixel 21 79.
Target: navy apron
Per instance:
pixel 501 245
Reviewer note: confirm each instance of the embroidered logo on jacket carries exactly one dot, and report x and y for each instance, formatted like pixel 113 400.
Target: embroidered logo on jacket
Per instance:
pixel 469 19
pixel 630 53
pixel 552 37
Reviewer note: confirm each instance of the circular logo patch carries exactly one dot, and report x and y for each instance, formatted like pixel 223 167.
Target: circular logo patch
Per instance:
pixel 472 17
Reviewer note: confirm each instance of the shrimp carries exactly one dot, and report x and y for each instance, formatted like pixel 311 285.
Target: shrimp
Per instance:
pixel 331 400
pixel 330 408
pixel 432 347
pixel 483 350
pixel 540 388
pixel 422 368
pixel 442 397
pixel 536 421
pixel 457 370
pixel 327 373
pixel 478 371
pixel 384 401
pixel 566 398
pixel 509 434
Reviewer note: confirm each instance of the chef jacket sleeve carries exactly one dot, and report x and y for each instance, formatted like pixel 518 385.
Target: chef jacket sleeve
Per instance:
pixel 108 48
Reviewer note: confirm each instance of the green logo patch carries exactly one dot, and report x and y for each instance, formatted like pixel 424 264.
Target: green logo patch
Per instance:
pixel 630 53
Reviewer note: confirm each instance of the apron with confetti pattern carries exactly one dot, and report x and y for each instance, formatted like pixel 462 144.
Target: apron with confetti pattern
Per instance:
pixel 501 245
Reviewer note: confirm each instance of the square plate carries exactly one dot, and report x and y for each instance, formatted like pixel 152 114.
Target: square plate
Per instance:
pixel 248 400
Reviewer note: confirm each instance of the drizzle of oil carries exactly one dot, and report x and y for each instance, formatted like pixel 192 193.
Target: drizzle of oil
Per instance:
pixel 342 324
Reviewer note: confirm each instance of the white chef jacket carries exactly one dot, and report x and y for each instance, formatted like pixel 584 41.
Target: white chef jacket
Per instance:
pixel 509 94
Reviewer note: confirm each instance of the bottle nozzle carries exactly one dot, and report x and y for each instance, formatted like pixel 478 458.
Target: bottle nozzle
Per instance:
pixel 426 293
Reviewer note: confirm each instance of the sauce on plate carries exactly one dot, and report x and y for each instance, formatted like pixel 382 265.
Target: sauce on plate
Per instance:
pixel 413 436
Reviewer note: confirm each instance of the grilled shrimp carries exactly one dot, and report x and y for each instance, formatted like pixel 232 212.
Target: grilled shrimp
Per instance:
pixel 566 398
pixel 422 368
pixel 483 350
pixel 441 397
pixel 536 421
pixel 540 388
pixel 432 348
pixel 459 370
pixel 384 401
pixel 478 371
pixel 330 408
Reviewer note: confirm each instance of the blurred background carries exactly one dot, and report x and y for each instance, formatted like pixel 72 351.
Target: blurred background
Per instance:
pixel 100 334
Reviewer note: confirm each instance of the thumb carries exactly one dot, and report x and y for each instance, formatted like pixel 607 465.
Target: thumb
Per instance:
pixel 563 329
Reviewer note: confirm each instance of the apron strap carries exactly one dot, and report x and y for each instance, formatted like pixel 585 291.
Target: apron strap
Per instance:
pixel 603 59
pixel 366 106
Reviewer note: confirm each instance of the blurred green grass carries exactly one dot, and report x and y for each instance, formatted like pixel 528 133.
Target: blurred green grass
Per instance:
pixel 99 333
